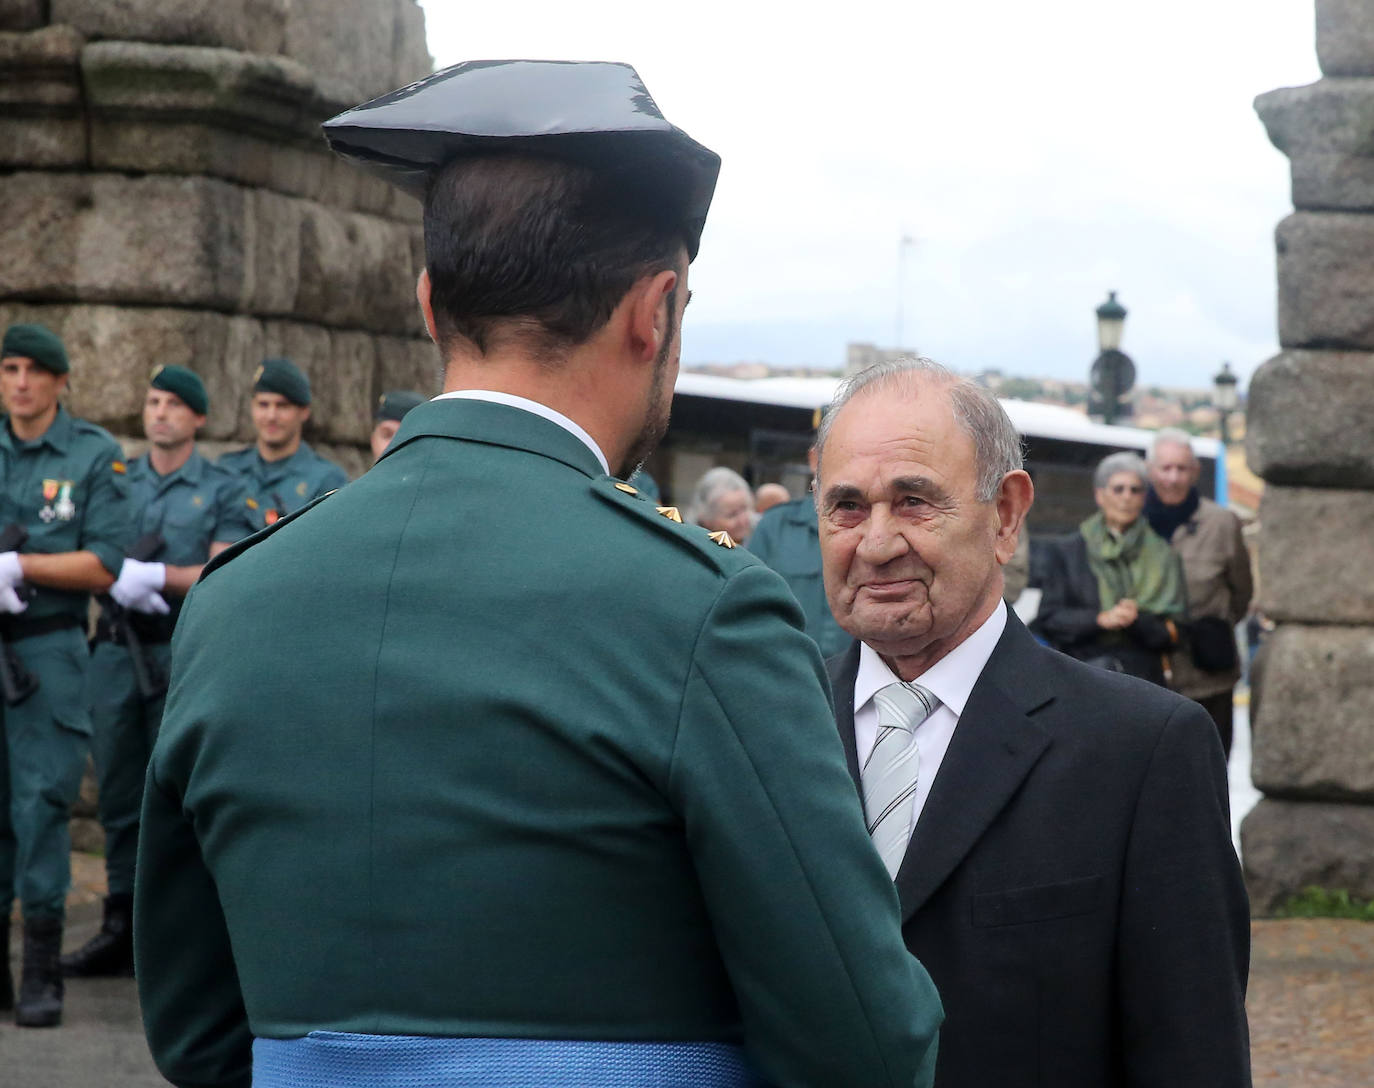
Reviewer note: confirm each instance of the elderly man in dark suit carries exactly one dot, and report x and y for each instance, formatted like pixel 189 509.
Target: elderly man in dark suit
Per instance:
pixel 1058 834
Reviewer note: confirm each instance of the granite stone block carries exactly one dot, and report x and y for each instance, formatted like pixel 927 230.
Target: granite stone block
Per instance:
pixel 1307 419
pixel 1287 846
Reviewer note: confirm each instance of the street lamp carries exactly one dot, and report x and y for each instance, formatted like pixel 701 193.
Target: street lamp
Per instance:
pixel 1225 397
pixel 1113 372
pixel 1111 319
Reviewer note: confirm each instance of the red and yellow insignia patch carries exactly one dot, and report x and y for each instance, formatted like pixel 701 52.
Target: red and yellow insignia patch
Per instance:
pixel 119 466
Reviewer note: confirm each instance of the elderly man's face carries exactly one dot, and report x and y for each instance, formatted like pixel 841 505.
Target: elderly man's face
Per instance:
pixel 912 559
pixel 1173 472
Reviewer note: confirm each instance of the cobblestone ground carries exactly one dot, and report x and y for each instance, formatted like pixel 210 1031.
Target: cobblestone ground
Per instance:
pixel 1312 1003
pixel 1311 1009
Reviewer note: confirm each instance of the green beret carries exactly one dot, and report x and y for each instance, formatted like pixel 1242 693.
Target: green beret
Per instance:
pixel 37 343
pixel 186 384
pixel 396 404
pixel 284 377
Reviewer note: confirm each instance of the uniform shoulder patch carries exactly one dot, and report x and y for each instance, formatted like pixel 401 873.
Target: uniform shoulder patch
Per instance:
pixel 239 547
pixel 715 549
pixel 119 467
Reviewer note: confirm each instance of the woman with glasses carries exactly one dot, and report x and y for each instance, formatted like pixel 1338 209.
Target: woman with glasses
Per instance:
pixel 1114 590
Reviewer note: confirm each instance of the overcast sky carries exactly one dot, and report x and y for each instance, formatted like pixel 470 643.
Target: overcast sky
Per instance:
pixel 1037 155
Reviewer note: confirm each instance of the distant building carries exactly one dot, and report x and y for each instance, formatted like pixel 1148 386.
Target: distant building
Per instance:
pixel 859 356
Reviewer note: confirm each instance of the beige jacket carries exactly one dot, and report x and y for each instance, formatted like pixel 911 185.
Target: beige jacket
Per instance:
pixel 1216 565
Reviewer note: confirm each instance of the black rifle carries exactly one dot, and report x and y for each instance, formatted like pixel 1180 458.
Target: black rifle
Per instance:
pixel 150 680
pixel 15 680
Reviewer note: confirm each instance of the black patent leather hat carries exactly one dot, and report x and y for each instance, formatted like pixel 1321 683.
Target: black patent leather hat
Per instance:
pixel 594 112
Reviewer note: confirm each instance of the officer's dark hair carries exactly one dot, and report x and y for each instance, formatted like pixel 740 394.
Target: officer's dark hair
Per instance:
pixel 538 248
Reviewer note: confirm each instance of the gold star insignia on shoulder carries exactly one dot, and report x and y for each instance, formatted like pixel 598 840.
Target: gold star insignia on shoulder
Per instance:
pixel 670 512
pixel 722 538
pixel 626 488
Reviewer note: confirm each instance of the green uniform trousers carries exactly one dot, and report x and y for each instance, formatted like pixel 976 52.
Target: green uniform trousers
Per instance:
pixel 125 728
pixel 46 740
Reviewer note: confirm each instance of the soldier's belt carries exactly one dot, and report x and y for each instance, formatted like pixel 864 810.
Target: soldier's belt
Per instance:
pixel 13 628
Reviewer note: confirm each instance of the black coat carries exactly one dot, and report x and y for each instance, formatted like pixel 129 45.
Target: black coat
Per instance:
pixel 1071 885
pixel 1067 618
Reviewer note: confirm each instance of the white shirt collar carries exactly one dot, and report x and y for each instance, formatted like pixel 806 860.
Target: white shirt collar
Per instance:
pixel 950 679
pixel 527 405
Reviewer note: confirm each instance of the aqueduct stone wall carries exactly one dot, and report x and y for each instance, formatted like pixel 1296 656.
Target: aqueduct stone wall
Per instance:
pixel 166 197
pixel 1311 436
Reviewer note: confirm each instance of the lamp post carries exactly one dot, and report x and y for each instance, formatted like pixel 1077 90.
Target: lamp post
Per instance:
pixel 1225 397
pixel 1113 372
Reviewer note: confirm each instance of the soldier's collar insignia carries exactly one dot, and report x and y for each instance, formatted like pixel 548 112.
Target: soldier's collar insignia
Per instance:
pixel 670 512
pixel 722 538
pixel 619 486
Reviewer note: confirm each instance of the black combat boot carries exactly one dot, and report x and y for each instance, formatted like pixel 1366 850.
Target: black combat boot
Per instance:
pixel 111 951
pixel 6 983
pixel 40 984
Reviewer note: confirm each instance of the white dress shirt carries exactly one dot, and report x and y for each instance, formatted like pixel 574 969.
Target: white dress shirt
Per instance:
pixel 950 679
pixel 527 405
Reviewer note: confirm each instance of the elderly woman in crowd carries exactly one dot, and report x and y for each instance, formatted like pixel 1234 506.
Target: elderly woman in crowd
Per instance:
pixel 722 500
pixel 1114 591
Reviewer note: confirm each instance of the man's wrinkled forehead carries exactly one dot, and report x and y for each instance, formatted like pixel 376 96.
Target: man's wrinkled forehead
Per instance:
pixel 906 410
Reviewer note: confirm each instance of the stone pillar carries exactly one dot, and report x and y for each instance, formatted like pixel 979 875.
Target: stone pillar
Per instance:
pixel 1311 437
pixel 167 197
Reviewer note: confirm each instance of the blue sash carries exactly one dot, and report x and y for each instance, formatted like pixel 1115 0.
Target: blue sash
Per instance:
pixel 333 1059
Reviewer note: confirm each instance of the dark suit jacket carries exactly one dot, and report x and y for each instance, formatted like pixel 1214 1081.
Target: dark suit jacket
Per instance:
pixel 1067 617
pixel 1071 885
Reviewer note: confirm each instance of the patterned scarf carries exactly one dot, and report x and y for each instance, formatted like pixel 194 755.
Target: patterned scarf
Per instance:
pixel 1137 564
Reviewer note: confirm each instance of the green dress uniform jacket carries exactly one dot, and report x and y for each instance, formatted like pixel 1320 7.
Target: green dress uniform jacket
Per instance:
pixel 787 538
pixel 455 773
pixel 69 489
pixel 278 488
pixel 191 508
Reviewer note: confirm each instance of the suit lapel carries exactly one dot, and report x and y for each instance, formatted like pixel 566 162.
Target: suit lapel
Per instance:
pixel 993 750
pixel 844 669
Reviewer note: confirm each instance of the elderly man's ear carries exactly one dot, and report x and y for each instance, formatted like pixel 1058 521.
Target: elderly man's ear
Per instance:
pixel 1014 497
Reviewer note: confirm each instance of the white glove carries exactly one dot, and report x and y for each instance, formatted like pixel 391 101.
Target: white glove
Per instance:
pixel 138 584
pixel 11 577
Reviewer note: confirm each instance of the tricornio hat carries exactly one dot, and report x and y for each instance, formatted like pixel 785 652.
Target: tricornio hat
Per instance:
pixel 186 384
pixel 36 342
pixel 284 377
pixel 592 112
pixel 396 404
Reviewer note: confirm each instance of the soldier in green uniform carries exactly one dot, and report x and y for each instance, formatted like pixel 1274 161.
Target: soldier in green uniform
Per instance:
pixel 788 540
pixel 188 510
pixel 456 800
pixel 67 520
pixel 386 421
pixel 280 472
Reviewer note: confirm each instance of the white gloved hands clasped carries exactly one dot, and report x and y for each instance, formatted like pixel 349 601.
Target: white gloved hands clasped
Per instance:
pixel 137 586
pixel 11 578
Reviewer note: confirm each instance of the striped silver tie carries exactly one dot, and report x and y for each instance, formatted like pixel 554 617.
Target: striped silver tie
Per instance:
pixel 890 774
